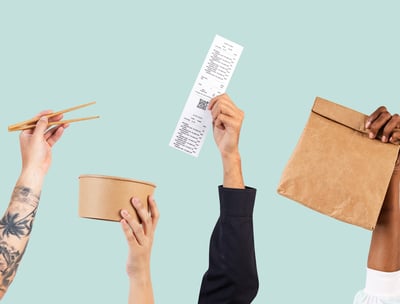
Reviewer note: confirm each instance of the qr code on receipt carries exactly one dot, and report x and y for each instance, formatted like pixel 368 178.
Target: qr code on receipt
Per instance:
pixel 202 104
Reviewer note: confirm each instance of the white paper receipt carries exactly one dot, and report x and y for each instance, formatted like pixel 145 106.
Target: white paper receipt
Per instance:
pixel 212 81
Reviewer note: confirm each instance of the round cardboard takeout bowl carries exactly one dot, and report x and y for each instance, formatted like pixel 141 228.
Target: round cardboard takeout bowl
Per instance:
pixel 102 197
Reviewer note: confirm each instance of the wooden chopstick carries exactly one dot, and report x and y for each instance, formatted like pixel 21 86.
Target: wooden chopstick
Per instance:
pixel 54 123
pixel 17 126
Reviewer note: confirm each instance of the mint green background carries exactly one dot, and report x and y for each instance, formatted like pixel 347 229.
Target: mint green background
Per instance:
pixel 139 60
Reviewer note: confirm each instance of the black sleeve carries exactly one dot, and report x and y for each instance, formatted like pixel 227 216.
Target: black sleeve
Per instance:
pixel 232 272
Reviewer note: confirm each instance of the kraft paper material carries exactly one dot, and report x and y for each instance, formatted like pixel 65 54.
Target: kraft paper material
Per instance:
pixel 336 169
pixel 102 197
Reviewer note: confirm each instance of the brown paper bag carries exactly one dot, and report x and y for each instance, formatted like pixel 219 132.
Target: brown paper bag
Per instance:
pixel 336 169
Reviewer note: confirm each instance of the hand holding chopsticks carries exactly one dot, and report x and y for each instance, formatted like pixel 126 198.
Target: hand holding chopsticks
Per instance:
pixel 31 123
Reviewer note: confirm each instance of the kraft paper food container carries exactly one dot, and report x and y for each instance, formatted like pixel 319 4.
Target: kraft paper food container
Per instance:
pixel 102 197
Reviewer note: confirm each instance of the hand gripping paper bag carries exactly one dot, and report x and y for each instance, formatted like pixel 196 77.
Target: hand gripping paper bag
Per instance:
pixel 336 169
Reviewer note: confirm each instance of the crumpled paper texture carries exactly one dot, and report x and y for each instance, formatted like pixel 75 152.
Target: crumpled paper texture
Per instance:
pixel 336 169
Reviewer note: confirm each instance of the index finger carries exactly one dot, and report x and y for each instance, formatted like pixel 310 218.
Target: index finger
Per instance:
pixel 375 115
pixel 377 121
pixel 214 100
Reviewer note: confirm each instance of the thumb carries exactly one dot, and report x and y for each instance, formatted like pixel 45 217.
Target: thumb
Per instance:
pixel 41 126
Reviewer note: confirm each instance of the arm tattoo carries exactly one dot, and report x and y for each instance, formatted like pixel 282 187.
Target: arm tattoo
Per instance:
pixel 9 262
pixel 11 224
pixel 16 223
pixel 20 214
pixel 25 195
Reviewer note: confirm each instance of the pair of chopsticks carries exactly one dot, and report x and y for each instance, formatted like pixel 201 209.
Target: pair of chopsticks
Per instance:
pixel 31 123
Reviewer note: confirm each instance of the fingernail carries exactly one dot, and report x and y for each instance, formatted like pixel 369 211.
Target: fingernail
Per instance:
pixel 371 135
pixel 367 124
pixel 124 213
pixel 135 201
pixel 384 139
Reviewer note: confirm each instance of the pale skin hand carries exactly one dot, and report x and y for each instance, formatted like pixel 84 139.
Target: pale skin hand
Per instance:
pixel 16 224
pixel 227 122
pixel 384 254
pixel 140 237
pixel 36 145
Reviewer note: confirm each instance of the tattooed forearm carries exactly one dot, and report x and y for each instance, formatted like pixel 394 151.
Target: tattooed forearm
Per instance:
pixel 20 214
pixel 9 262
pixel 15 228
pixel 25 195
pixel 12 224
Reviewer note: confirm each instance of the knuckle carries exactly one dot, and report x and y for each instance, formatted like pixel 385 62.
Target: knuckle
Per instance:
pixel 147 219
pixel 386 115
pixel 382 109
pixel 138 229
pixel 374 129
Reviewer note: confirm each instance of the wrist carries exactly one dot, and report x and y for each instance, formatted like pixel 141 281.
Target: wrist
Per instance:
pixel 31 178
pixel 232 170
pixel 394 185
pixel 142 278
pixel 140 289
pixel 395 176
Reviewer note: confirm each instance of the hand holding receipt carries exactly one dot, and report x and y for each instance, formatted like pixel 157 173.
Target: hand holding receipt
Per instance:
pixel 212 80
